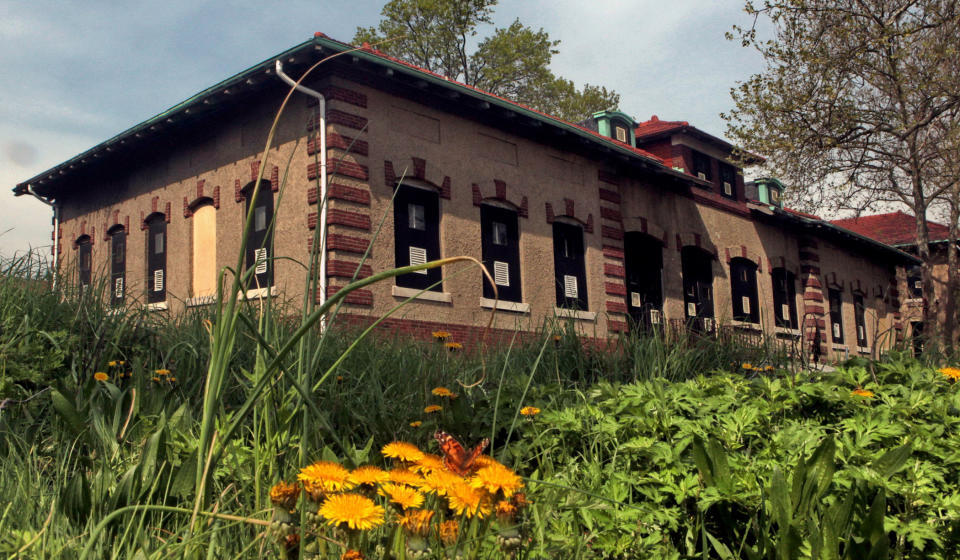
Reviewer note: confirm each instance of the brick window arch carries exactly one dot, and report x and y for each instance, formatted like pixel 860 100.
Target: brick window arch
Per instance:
pixel 416 228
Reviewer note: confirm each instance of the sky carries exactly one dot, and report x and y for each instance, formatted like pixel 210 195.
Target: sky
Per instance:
pixel 73 74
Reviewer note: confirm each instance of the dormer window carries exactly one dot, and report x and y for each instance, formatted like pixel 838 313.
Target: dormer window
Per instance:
pixel 620 132
pixel 701 166
pixel 615 125
pixel 728 180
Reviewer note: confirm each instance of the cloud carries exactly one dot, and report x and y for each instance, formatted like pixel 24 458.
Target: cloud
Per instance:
pixel 21 154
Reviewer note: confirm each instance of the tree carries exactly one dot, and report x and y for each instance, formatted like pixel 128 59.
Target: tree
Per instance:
pixel 855 103
pixel 513 62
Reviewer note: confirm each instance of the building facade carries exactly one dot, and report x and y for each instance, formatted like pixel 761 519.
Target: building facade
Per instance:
pixel 611 224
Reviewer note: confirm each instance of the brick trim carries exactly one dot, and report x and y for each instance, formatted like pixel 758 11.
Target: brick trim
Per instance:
pixel 614 270
pixel 615 289
pixel 347 243
pixel 346 269
pixel 344 168
pixel 337 141
pixel 342 218
pixel 612 252
pixel 336 191
pixel 419 169
pixel 692 239
pixel 342 118
pixel 107 226
pixel 357 297
pixel 609 196
pixel 742 252
pixel 335 93
pixel 616 307
pixel 644 225
pixel 496 189
pixel 569 211
pixel 609 177
pixel 154 209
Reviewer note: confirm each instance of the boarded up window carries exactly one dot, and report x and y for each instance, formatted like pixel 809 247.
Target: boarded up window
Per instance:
pixel 204 251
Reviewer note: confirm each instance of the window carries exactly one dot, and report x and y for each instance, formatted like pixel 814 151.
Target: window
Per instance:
pixel 416 228
pixel 569 266
pixel 118 265
pixel 643 261
pixel 501 251
pixel 156 258
pixel 697 267
pixel 259 248
pixel 701 166
pixel 915 282
pixel 743 288
pixel 836 315
pixel 204 269
pixel 728 180
pixel 859 318
pixel 785 298
pixel 84 260
pixel 620 132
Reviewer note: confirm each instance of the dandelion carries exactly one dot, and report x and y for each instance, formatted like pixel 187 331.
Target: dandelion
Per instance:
pixel 404 476
pixel 769 368
pixel 557 338
pixel 448 531
pixel 520 500
pixel 416 424
pixel 112 363
pixel 100 376
pixel 428 463
pixel 464 499
pixel 505 510
pixel 484 461
pixel 402 495
pixel 284 495
pixel 443 392
pixel 173 379
pixel 439 482
pixel 416 521
pixel 162 372
pixel 951 373
pixel 369 475
pixel 453 346
pixel 432 408
pixel 402 451
pixel 157 379
pixel 358 512
pixel 324 476
pixel 441 335
pixel 529 411
pixel 862 393
pixel 352 555
pixel 747 366
pixel 497 477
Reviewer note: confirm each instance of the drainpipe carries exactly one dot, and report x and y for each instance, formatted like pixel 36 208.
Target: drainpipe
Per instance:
pixel 322 195
pixel 56 229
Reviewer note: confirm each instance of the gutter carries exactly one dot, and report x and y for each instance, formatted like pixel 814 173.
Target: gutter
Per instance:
pixel 56 229
pixel 825 225
pixel 322 195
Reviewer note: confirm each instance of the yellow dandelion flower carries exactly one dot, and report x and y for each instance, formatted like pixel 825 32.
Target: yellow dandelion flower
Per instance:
pixel 157 379
pixel 443 392
pixel 284 495
pixel 112 363
pixel 432 408
pixel 769 368
pixel 401 451
pixel 351 554
pixel 416 521
pixel 862 393
pixel 439 482
pixel 162 372
pixel 416 424
pixel 453 345
pixel 404 476
pixel 464 499
pixel 505 510
pixel 358 512
pixel 484 461
pixel 100 376
pixel 448 531
pixel 369 475
pixel 441 335
pixel 402 495
pixel 323 477
pixel 428 463
pixel 529 411
pixel 121 362
pixel 172 379
pixel 747 365
pixel 557 338
pixel 497 477
pixel 951 373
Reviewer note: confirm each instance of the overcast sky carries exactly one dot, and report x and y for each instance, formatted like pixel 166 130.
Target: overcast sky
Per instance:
pixel 73 74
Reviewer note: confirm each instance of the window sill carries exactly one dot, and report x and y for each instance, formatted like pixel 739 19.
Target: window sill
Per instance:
pixel 863 350
pixel 913 301
pixel 259 293
pixel 200 300
pixel 501 305
pixel 575 314
pixel 157 306
pixel 840 349
pixel 401 292
pixel 787 331
pixel 746 325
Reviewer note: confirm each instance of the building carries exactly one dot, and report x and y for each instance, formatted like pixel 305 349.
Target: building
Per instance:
pixel 899 230
pixel 607 223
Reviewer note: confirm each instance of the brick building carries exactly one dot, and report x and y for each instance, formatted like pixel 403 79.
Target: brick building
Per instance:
pixel 606 223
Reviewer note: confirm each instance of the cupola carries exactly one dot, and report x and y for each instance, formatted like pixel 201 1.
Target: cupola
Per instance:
pixel 616 125
pixel 769 191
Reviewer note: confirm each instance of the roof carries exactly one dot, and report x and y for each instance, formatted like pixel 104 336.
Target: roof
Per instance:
pixel 894 228
pixel 656 127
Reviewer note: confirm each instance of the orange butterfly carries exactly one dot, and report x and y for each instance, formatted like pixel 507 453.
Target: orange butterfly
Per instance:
pixel 455 457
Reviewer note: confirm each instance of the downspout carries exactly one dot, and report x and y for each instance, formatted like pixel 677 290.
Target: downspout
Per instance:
pixel 322 195
pixel 56 230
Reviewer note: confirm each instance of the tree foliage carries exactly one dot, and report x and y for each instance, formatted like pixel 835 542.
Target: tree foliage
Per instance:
pixel 513 62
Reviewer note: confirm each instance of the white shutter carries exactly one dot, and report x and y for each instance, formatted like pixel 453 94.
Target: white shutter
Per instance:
pixel 785 311
pixel 655 316
pixel 635 300
pixel 691 309
pixel 727 188
pixel 570 286
pixel 158 280
pixel 708 324
pixel 118 287
pixel 702 175
pixel 836 330
pixel 745 301
pixel 418 255
pixel 260 257
pixel 621 133
pixel 860 334
pixel 501 274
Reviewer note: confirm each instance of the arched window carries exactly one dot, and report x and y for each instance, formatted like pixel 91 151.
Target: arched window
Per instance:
pixel 785 298
pixel 416 228
pixel 643 262
pixel 835 298
pixel 500 242
pixel 156 258
pixel 743 290
pixel 860 318
pixel 118 265
pixel 569 265
pixel 84 260
pixel 204 264
pixel 259 247
pixel 697 267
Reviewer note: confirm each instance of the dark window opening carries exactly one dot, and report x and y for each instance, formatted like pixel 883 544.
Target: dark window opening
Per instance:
pixel 728 180
pixel 859 318
pixel 643 263
pixel 743 288
pixel 84 261
pixel 569 265
pixel 619 131
pixel 915 282
pixel 259 247
pixel 917 338
pixel 156 259
pixel 785 298
pixel 118 266
pixel 836 315
pixel 416 228
pixel 701 166
pixel 697 269
pixel 501 251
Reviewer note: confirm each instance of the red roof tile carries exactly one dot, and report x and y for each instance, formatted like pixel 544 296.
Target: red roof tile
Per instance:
pixel 895 228
pixel 656 126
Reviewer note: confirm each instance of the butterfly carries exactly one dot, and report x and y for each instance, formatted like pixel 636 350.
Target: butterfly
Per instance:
pixel 455 458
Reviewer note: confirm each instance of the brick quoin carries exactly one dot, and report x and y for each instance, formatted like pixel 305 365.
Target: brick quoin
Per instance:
pixel 345 168
pixel 345 269
pixel 813 296
pixel 616 307
pixel 341 192
pixel 608 177
pixel 610 214
pixel 610 196
pixel 341 94
pixel 614 289
pixel 347 243
pixel 356 297
pixel 611 252
pixel 334 140
pixel 617 326
pixel 349 219
pixel 814 309
pixel 815 323
pixel 610 232
pixel 346 119
pixel 613 270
